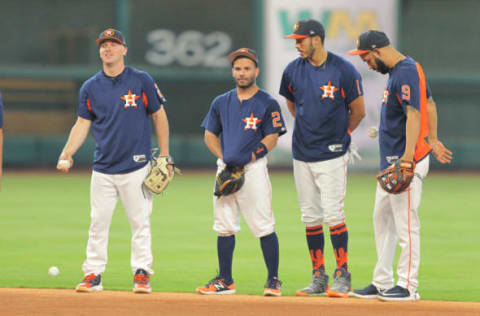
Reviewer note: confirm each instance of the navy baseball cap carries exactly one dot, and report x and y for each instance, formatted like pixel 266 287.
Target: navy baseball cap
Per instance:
pixel 307 28
pixel 370 40
pixel 243 52
pixel 111 35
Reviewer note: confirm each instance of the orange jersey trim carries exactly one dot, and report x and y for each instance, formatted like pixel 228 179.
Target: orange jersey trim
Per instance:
pixel 89 105
pixel 423 148
pixel 145 100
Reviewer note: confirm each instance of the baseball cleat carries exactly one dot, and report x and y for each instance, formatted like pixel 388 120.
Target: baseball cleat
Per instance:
pixel 341 285
pixel 273 287
pixel 398 294
pixel 91 283
pixel 370 291
pixel 217 286
pixel 141 282
pixel 319 285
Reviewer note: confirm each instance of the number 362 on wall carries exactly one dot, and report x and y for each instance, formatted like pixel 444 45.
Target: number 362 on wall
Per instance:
pixel 189 48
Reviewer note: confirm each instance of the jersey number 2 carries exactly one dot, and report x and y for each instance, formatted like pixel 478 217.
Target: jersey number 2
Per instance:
pixel 276 119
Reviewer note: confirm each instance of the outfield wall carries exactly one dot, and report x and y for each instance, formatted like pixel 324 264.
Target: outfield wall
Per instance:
pixel 50 51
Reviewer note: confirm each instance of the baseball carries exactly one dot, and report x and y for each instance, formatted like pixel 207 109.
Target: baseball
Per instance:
pixel 372 131
pixel 53 271
pixel 64 163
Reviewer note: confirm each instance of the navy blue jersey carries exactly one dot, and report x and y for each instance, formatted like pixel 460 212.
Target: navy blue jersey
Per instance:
pixel 242 125
pixel 119 109
pixel 406 86
pixel 1 111
pixel 321 95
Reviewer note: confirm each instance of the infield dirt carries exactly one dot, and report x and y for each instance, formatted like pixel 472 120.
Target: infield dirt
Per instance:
pixel 68 302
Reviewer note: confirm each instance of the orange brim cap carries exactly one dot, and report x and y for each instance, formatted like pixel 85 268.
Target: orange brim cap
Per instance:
pixel 354 52
pixel 295 36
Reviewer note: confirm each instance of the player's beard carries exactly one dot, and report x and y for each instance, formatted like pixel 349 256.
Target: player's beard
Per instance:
pixel 311 53
pixel 381 67
pixel 250 82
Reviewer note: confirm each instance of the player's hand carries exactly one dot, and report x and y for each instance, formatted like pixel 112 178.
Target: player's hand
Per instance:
pixel 65 162
pixel 440 152
pixel 372 131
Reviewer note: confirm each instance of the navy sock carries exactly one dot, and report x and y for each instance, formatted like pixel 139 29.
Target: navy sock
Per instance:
pixel 316 243
pixel 225 247
pixel 339 237
pixel 270 251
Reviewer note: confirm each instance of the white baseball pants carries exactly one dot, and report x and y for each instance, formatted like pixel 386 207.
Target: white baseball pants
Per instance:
pixel 321 188
pixel 105 190
pixel 253 201
pixel 395 218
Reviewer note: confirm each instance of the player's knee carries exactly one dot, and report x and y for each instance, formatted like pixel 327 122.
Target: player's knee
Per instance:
pixel 263 233
pixel 225 234
pixel 312 219
pixel 334 219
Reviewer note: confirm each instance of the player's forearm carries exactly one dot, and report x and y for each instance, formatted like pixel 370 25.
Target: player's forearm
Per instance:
pixel 412 132
pixel 77 137
pixel 162 131
pixel 213 144
pixel 270 141
pixel 357 113
pixel 432 120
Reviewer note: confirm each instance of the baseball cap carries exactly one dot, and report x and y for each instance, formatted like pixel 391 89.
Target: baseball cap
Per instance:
pixel 370 40
pixel 112 35
pixel 243 52
pixel 307 28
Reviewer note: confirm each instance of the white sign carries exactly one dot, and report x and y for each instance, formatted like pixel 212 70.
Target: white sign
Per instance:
pixel 343 21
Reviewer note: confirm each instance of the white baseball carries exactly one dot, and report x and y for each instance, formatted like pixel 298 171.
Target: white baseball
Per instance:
pixel 53 271
pixel 372 131
pixel 64 163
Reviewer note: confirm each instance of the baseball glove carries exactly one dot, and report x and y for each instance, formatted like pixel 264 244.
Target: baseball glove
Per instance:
pixel 396 178
pixel 229 180
pixel 159 178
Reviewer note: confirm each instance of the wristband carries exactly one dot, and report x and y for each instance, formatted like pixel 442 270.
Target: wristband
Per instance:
pixel 261 151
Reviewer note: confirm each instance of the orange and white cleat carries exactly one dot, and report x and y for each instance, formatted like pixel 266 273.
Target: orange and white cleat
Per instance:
pixel 273 287
pixel 141 282
pixel 90 283
pixel 217 286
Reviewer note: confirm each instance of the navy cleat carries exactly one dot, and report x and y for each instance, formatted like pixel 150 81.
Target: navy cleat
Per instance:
pixel 398 294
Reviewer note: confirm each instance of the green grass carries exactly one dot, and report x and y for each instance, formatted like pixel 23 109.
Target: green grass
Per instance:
pixel 44 221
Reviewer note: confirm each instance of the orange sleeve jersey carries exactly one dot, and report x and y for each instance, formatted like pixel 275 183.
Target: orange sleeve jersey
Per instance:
pixel 406 86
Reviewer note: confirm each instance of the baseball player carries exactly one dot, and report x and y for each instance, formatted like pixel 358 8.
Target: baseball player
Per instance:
pixel 1 139
pixel 324 93
pixel 408 117
pixel 116 104
pixel 241 127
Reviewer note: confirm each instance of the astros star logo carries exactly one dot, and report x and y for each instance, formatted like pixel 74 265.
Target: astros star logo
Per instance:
pixel 328 91
pixel 130 99
pixel 251 122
